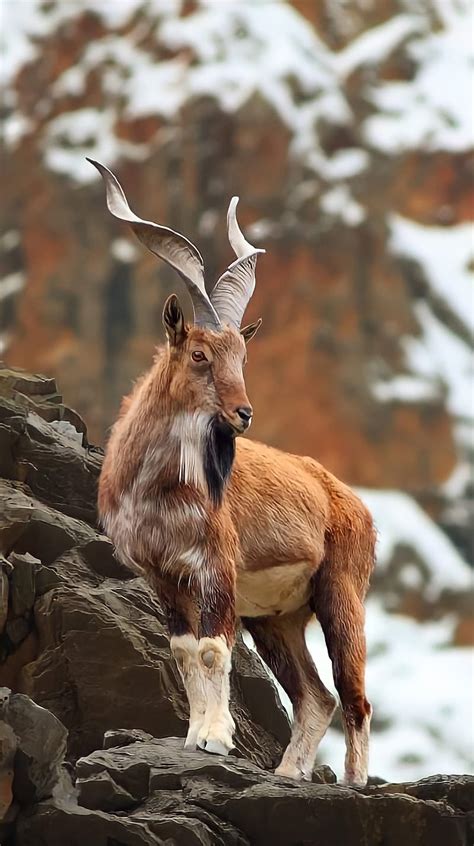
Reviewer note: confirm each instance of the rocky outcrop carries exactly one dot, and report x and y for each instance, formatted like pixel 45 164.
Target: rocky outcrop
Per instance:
pixel 143 791
pixel 43 444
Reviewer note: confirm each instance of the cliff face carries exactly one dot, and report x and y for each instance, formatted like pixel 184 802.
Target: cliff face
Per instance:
pixel 338 130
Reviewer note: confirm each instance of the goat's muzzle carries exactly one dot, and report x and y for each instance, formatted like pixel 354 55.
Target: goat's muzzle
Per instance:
pixel 239 420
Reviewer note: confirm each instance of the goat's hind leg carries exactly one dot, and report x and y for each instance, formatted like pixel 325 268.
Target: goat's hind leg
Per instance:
pixel 340 611
pixel 281 643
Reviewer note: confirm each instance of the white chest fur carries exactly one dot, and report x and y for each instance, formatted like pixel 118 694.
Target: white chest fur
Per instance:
pixel 275 590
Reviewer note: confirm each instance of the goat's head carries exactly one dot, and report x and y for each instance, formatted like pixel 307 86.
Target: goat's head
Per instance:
pixel 207 357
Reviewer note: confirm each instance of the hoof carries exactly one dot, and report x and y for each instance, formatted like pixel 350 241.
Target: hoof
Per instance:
pixel 215 747
pixel 291 771
pixel 191 742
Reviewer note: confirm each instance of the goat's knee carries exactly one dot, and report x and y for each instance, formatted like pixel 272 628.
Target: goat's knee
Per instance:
pixel 216 733
pixel 214 654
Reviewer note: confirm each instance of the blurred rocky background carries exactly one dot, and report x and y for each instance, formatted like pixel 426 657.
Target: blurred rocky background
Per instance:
pixel 346 128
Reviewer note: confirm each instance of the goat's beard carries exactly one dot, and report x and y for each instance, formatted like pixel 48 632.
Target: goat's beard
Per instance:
pixel 219 453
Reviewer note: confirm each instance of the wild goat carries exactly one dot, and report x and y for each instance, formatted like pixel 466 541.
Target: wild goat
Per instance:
pixel 225 530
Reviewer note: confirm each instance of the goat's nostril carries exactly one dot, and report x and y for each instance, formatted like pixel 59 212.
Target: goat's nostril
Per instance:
pixel 245 413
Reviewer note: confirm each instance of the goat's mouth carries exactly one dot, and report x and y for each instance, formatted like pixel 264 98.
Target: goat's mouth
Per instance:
pixel 233 426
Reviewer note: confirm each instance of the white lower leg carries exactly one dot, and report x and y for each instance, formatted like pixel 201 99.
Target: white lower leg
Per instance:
pixel 185 652
pixel 217 729
pixel 309 728
pixel 357 753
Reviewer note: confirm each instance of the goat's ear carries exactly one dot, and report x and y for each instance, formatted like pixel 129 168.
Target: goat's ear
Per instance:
pixel 173 320
pixel 249 331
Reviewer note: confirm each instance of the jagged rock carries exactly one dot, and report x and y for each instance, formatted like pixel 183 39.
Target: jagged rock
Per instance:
pixel 17 630
pixel 8 745
pixel 4 591
pixel 28 525
pixel 13 658
pixel 39 394
pixel 100 792
pixel 37 448
pixel 165 793
pixel 41 747
pixel 163 763
pixel 22 583
pixel 122 737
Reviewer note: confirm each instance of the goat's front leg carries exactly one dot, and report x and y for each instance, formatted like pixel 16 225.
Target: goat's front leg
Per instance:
pixel 217 634
pixel 182 617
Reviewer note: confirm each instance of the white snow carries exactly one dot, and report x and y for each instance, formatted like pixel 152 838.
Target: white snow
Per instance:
pixel 115 13
pixel 11 284
pixel 374 45
pixel 224 50
pixel 456 485
pixel 159 88
pixel 446 255
pixel 240 55
pixel 435 109
pixel 338 202
pixel 9 240
pixel 441 353
pixel 346 163
pixel 4 341
pixel 14 127
pixel 123 250
pixel 400 520
pixel 438 360
pixel 407 389
pixel 228 51
pixel 71 82
pixel 85 132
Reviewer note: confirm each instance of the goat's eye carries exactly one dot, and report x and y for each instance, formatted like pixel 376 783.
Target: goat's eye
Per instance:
pixel 197 355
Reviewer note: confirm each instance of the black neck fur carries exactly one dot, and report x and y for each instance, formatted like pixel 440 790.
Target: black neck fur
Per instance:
pixel 219 454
